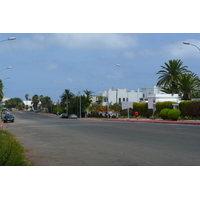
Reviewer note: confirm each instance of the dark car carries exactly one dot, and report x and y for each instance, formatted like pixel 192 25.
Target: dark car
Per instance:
pixel 64 115
pixel 8 118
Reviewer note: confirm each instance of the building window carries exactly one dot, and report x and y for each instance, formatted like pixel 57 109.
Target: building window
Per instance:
pixel 119 100
pixel 126 99
pixel 123 99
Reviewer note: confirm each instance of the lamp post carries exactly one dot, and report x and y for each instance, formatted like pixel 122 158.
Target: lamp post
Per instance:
pixel 6 68
pixel 187 43
pixel 5 78
pixel 10 38
pixel 118 65
pixel 79 93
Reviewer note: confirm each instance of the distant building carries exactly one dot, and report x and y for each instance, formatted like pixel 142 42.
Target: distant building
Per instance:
pixel 28 103
pixel 112 96
pixel 150 90
pixel 4 99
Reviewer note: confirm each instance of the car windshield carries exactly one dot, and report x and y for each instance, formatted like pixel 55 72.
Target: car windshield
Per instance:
pixel 7 115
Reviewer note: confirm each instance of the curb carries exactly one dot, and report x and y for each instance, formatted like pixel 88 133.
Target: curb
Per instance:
pixel 189 122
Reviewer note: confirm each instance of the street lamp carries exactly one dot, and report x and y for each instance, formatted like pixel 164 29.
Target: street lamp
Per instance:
pixel 6 68
pixel 79 93
pixel 187 43
pixel 4 78
pixel 10 38
pixel 118 65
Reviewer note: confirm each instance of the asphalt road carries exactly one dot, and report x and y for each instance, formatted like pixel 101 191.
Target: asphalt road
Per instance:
pixel 51 141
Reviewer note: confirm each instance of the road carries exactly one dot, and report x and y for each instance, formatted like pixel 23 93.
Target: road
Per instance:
pixel 51 141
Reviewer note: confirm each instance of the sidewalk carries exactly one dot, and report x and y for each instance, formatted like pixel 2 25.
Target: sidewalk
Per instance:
pixel 161 121
pixel 192 122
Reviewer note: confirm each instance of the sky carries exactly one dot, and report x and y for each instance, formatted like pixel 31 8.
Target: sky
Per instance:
pixel 48 63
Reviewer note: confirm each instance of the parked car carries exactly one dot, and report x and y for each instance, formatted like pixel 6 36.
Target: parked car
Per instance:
pixel 8 118
pixel 64 115
pixel 73 116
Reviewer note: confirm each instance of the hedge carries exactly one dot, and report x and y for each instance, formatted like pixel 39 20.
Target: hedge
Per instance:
pixel 142 108
pixel 190 108
pixel 162 105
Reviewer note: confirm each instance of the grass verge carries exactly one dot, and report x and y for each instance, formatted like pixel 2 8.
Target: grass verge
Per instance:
pixel 11 151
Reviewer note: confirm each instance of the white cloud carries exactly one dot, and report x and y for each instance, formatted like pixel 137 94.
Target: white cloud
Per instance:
pixel 52 67
pixel 72 41
pixel 95 40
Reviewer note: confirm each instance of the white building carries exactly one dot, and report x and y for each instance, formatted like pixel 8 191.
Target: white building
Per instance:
pixel 30 104
pixel 5 99
pixel 113 96
pixel 150 90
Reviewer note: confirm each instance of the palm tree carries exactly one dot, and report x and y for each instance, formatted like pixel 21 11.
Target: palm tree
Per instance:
pixel 46 102
pixel 188 84
pixel 35 101
pixel 26 97
pixel 170 74
pixel 40 99
pixel 86 100
pixel 66 97
pixel 1 90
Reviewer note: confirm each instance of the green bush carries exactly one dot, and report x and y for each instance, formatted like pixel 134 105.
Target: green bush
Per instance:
pixel 174 114
pixel 190 108
pixel 164 113
pixel 11 151
pixel 165 104
pixel 142 109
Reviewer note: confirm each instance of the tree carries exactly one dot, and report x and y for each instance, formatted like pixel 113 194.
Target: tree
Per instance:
pixel 26 97
pixel 14 103
pixel 99 100
pixel 86 100
pixel 47 103
pixel 88 96
pixel 188 84
pixel 66 97
pixel 170 74
pixel 1 90
pixel 35 101
pixel 40 99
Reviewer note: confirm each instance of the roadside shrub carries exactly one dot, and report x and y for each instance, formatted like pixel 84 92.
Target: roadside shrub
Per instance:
pixel 11 151
pixel 95 114
pixel 164 113
pixel 174 114
pixel 190 108
pixel 142 108
pixel 162 105
pixel 195 108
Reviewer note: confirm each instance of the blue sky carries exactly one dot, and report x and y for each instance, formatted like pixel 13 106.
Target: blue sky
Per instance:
pixel 46 64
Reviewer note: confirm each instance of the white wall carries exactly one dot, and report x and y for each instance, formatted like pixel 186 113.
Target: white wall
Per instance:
pixel 113 96
pixel 150 90
pixel 152 99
